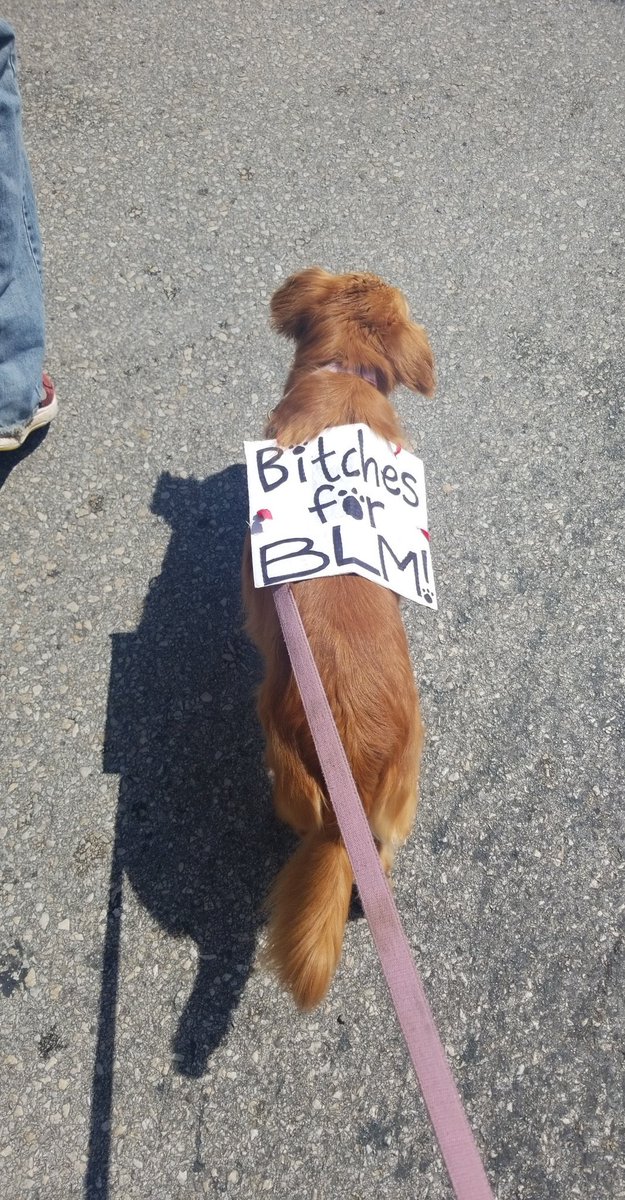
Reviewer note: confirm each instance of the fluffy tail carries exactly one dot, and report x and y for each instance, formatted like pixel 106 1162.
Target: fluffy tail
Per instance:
pixel 308 906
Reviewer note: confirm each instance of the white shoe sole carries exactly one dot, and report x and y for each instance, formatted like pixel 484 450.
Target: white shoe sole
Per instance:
pixel 42 417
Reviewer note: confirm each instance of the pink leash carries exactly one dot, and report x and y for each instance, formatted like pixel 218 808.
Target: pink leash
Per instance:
pixel 458 1148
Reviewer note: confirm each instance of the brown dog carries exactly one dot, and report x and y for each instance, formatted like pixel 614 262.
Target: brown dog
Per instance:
pixel 349 330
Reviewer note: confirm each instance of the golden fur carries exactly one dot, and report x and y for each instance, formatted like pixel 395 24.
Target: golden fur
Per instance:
pixel 353 625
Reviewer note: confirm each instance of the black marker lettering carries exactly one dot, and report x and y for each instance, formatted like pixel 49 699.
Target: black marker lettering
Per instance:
pixel 324 455
pixel 407 479
pixel 410 559
pixel 305 552
pixel 389 472
pixel 341 561
pixel 371 504
pixel 352 450
pixel 366 464
pixel 267 460
pixel 317 506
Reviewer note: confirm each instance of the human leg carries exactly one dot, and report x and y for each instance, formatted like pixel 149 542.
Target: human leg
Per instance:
pixel 24 403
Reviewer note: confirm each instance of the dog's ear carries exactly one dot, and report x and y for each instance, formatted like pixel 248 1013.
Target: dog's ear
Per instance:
pixel 294 303
pixel 411 357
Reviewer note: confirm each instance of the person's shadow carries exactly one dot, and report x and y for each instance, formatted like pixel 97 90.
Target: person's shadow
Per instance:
pixel 10 459
pixel 195 835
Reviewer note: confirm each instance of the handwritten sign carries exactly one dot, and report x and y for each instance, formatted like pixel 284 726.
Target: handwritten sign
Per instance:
pixel 347 502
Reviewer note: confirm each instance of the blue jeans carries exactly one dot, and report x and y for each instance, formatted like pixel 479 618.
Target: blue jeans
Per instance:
pixel 21 289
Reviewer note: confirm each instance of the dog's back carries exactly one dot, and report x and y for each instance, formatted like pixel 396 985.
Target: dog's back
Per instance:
pixel 353 625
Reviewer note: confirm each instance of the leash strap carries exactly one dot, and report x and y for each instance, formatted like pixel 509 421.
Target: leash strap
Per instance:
pixel 458 1148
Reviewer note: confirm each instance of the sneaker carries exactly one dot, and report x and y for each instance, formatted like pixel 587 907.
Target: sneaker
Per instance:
pixel 45 412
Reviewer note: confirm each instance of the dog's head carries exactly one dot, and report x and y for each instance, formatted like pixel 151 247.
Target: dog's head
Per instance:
pixel 357 320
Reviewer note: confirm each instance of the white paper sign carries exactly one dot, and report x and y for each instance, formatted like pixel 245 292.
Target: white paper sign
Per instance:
pixel 348 502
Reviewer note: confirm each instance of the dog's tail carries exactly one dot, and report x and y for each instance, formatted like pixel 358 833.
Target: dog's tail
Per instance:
pixel 309 906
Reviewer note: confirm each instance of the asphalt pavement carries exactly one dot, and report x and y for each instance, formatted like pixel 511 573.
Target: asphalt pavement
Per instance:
pixel 187 157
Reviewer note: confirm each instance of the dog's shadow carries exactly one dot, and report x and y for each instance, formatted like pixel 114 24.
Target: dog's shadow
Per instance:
pixel 196 836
